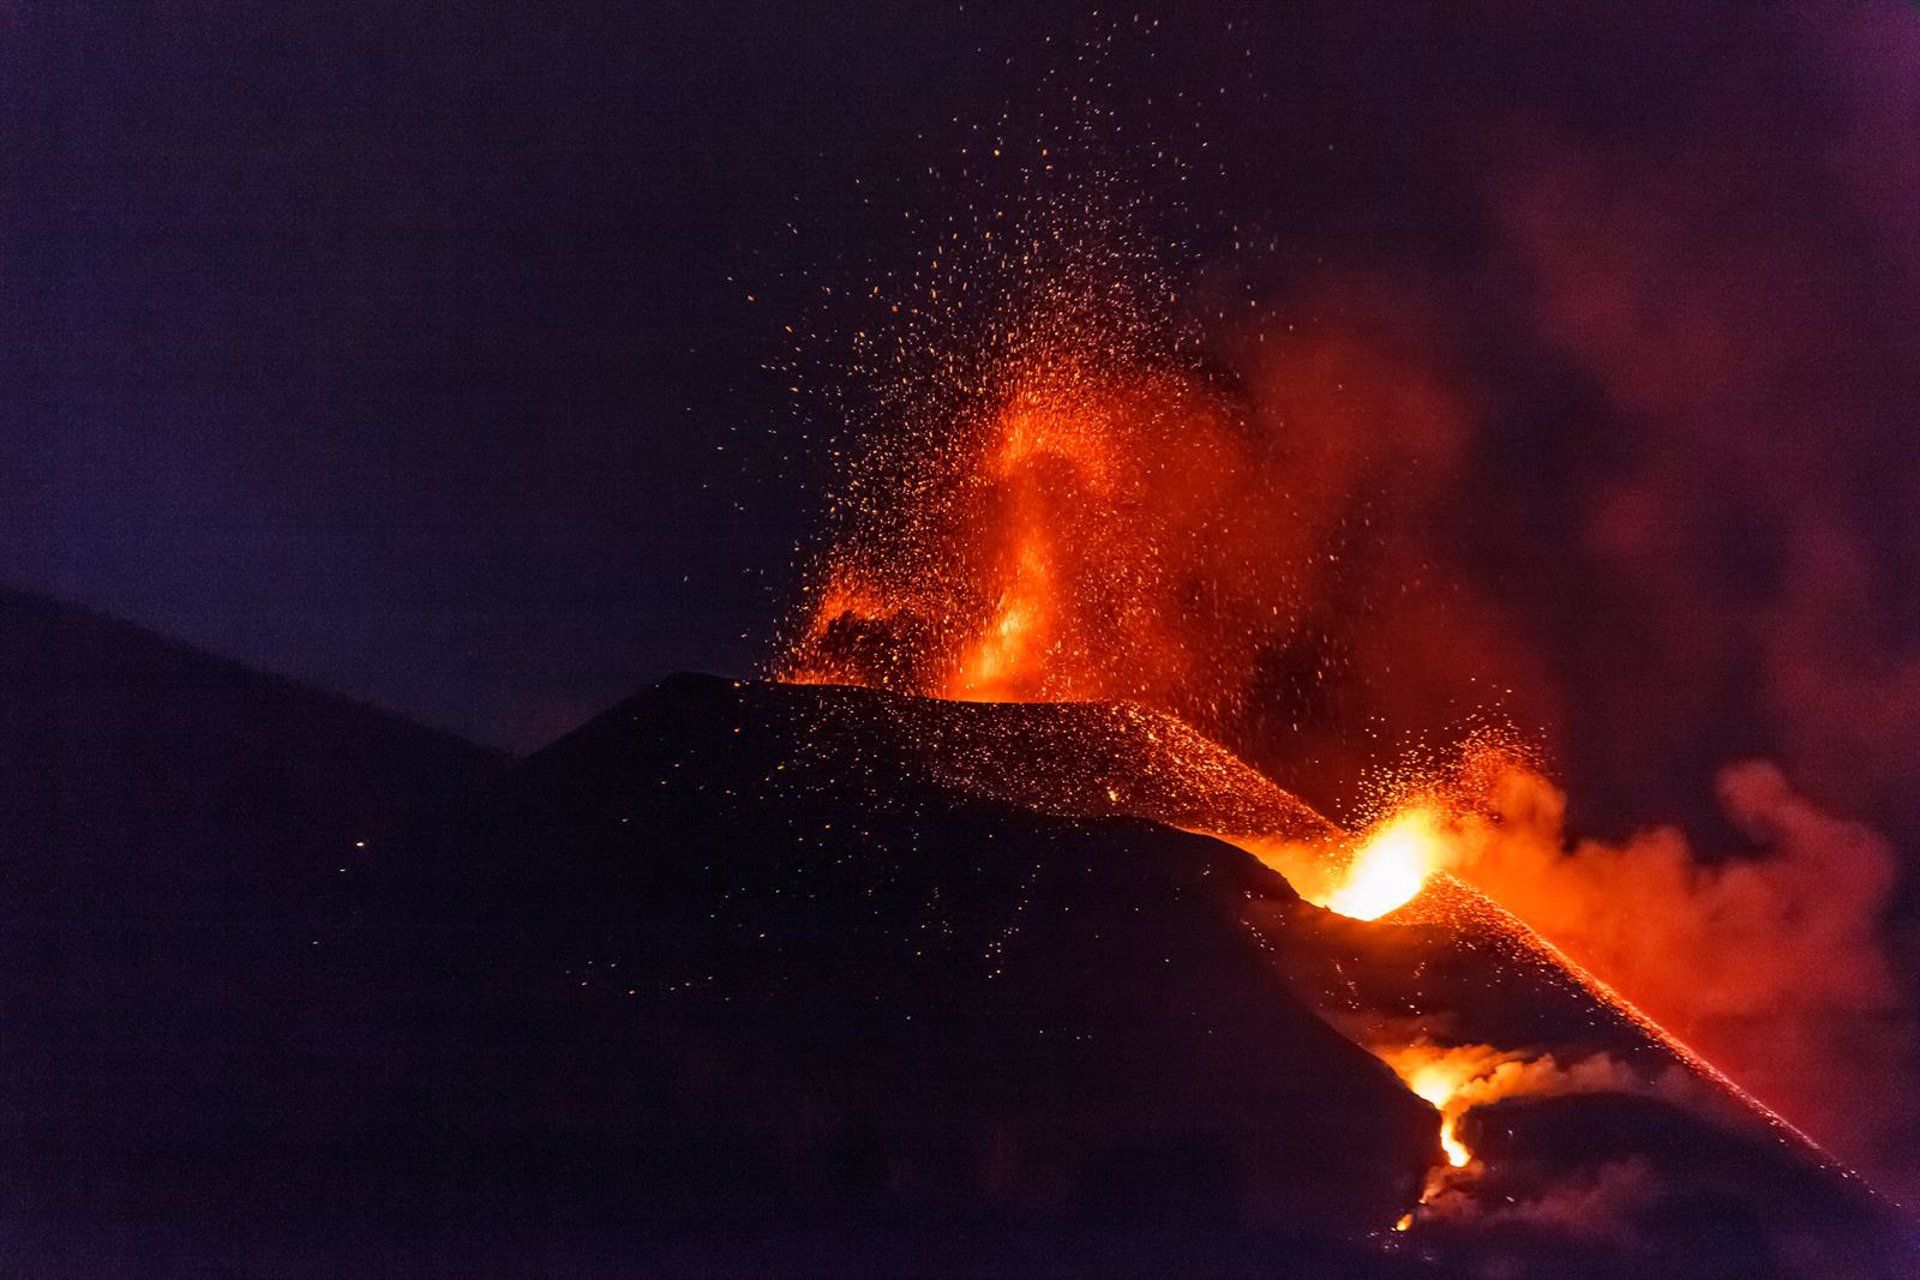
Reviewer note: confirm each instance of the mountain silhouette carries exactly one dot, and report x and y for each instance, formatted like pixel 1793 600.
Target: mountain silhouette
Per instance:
pixel 168 823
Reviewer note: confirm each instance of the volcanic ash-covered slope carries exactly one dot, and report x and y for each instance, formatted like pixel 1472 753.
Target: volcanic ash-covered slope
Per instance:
pixel 795 983
pixel 837 742
pixel 876 960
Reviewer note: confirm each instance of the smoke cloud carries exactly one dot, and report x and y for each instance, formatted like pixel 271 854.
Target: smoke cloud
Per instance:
pixel 1771 966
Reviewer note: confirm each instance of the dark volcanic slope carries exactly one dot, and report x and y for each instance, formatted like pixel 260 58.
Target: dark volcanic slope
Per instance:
pixel 1076 759
pixel 752 979
pixel 167 820
pixel 796 989
pixel 935 1004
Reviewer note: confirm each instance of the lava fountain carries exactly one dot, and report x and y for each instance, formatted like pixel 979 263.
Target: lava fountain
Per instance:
pixel 1061 507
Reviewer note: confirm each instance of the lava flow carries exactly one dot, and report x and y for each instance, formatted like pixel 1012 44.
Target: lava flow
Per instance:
pixel 1438 1078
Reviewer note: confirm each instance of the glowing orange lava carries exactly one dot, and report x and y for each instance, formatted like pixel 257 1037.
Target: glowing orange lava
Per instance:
pixel 1390 866
pixel 1365 879
pixel 1455 1080
pixel 1434 1083
pixel 991 668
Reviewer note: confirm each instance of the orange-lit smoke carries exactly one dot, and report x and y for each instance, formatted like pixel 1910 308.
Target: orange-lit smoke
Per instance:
pixel 1770 966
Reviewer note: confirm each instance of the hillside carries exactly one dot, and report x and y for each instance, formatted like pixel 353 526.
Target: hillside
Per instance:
pixel 168 822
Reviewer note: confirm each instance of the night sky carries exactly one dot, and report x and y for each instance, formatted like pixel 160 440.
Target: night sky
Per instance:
pixel 411 354
pixel 392 351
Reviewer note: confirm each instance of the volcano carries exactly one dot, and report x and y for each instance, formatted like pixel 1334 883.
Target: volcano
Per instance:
pixel 758 978
pixel 817 978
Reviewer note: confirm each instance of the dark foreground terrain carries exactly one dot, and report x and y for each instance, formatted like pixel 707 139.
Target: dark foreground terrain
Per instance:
pixel 745 979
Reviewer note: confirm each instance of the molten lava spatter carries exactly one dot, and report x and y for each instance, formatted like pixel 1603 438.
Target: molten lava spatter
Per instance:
pixel 1390 866
pixel 1062 513
pixel 1365 877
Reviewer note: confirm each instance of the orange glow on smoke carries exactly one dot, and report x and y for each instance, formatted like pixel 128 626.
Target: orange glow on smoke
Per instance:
pixel 1048 460
pixel 1054 457
pixel 997 665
